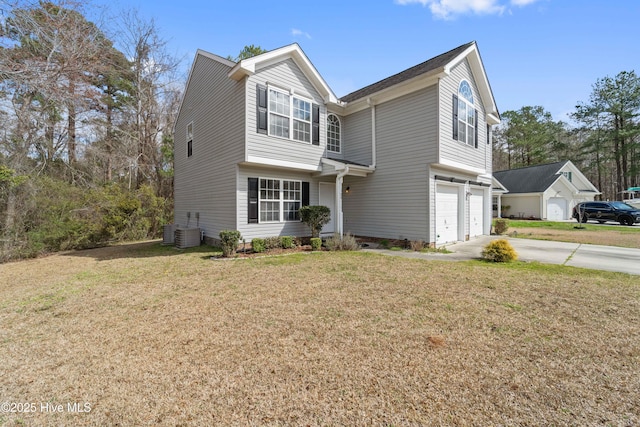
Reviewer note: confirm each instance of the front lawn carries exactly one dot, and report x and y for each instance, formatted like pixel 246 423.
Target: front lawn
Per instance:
pixel 149 335
pixel 610 234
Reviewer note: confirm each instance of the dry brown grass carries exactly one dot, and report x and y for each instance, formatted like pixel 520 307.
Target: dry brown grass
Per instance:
pixel 152 336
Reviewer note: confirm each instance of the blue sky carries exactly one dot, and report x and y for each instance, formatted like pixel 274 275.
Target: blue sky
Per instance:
pixel 535 52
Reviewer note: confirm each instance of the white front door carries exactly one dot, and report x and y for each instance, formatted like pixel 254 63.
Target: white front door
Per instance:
pixel 476 210
pixel 327 197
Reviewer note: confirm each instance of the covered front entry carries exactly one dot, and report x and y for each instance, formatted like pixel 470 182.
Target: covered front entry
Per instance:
pixel 327 197
pixel 447 213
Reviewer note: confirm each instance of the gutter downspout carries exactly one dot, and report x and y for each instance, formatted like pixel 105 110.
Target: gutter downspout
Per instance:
pixel 373 131
pixel 339 216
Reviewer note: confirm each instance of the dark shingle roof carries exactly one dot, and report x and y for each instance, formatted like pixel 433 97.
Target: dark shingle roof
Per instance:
pixel 532 179
pixel 415 71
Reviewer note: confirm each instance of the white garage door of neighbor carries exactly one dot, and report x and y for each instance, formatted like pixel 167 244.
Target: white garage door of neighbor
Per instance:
pixel 556 209
pixel 476 210
pixel 446 214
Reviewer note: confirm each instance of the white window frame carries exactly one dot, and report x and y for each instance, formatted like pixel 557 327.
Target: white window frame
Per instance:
pixel 332 144
pixel 289 115
pixel 466 111
pixel 280 201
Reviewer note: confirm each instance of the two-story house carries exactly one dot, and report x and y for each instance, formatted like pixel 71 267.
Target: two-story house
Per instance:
pixel 408 157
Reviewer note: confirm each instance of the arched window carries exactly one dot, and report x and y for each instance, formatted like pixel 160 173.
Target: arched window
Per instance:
pixel 465 120
pixel 333 133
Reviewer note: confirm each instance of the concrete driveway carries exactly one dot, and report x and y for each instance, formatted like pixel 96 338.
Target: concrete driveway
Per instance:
pixel 625 260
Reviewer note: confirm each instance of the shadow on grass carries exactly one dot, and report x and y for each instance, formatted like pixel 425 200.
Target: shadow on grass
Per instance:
pixel 146 249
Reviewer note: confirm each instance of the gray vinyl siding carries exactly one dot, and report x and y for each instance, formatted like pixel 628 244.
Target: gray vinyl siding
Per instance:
pixel 392 202
pixel 205 182
pixel 451 149
pixel 289 228
pixel 356 135
pixel 286 76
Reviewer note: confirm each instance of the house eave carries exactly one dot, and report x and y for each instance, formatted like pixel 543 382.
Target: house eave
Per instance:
pixel 249 66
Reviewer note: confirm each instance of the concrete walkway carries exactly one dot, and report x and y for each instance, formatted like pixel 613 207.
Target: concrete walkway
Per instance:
pixel 610 258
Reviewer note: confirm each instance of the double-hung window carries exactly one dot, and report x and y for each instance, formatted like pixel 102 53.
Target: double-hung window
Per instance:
pixel 280 200
pixel 465 120
pixel 289 112
pixel 286 115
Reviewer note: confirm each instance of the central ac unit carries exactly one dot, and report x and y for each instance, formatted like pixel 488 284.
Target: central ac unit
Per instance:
pixel 187 237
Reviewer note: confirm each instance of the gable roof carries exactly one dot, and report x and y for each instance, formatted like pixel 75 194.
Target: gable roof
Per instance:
pixel 293 51
pixel 440 65
pixel 532 179
pixel 432 64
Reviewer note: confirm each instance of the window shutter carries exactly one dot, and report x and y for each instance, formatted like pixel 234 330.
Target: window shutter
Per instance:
pixel 455 117
pixel 253 201
pixel 261 103
pixel 305 193
pixel 315 124
pixel 488 134
pixel 476 132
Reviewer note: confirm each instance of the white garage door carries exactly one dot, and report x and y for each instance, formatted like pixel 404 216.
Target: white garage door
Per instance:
pixel 476 210
pixel 446 214
pixel 556 209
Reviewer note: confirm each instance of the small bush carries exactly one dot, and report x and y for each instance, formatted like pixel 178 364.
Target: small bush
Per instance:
pixel 272 243
pixel 500 226
pixel 286 242
pixel 344 243
pixel 316 243
pixel 384 243
pixel 257 245
pixel 229 240
pixel 499 250
pixel 315 217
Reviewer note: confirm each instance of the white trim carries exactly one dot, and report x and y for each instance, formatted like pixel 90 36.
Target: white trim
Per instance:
pixel 450 164
pixel 282 163
pixel 247 67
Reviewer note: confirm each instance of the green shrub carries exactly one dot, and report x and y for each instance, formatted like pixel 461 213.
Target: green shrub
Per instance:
pixel 384 243
pixel 499 250
pixel 315 217
pixel 286 242
pixel 316 243
pixel 500 226
pixel 229 240
pixel 257 245
pixel 344 243
pixel 272 243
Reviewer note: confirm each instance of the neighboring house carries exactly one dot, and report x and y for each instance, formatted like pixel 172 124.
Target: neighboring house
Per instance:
pixel 408 157
pixel 545 191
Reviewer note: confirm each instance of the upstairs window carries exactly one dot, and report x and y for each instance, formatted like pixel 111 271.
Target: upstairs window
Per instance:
pixel 287 116
pixel 333 133
pixel 567 175
pixel 465 120
pixel 189 139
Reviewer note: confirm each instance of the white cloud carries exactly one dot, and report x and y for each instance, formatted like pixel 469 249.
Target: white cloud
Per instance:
pixel 299 33
pixel 447 9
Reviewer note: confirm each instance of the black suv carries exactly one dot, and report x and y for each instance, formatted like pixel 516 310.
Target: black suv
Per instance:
pixel 606 211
